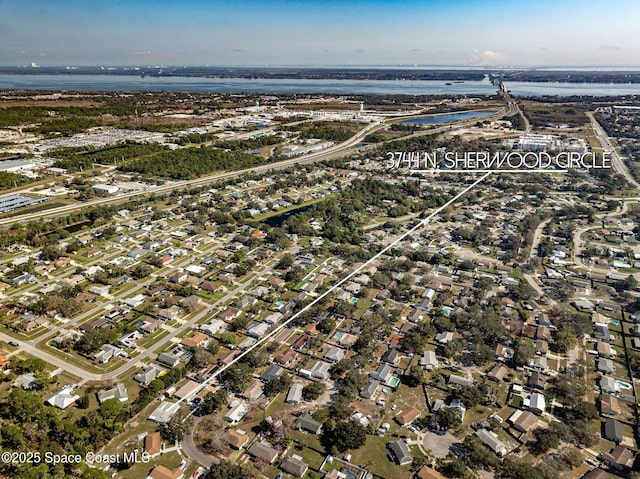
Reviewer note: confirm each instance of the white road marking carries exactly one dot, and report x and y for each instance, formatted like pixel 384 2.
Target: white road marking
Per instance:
pixel 400 238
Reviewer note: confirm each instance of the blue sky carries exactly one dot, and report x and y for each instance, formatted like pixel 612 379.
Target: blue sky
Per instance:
pixel 320 32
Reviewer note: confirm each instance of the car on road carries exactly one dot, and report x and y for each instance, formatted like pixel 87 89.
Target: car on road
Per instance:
pixel 13 343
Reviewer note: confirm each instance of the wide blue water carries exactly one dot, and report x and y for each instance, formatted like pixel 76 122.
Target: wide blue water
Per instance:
pixel 398 87
pixel 430 120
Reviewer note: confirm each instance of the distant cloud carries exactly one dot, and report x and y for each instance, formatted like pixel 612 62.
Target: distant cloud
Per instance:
pixel 416 50
pixel 143 52
pixel 359 51
pixel 238 50
pixel 544 49
pixel 609 47
pixel 485 57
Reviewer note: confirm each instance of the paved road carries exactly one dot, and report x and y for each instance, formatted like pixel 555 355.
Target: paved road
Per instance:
pixel 30 346
pixel 192 452
pixel 617 162
pixel 537 237
pixel 328 154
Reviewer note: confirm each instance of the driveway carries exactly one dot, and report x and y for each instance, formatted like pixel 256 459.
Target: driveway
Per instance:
pixel 438 445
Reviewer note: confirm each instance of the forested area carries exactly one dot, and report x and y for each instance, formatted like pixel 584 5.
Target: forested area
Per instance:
pixel 189 163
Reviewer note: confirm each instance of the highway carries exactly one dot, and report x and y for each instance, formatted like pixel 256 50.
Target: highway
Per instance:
pixel 616 161
pixel 330 153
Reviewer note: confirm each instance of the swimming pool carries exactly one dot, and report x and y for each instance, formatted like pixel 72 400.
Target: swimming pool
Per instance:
pixel 614 322
pixel 353 300
pixel 338 335
pixel 623 385
pixel 447 311
pixel 394 382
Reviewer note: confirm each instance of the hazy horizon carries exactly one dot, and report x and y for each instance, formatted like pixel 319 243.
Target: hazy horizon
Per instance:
pixel 321 33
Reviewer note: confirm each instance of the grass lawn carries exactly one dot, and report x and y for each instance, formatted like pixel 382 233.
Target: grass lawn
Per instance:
pixel 311 454
pixel 154 338
pixel 373 457
pixel 141 470
pixel 516 401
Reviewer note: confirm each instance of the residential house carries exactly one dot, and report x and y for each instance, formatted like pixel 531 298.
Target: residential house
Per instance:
pixel 237 411
pixel 535 403
pixel 619 458
pixel 294 396
pixel 369 390
pixel 164 412
pixel 608 385
pixel 153 443
pixel 428 361
pixel 400 452
pixel 391 356
pixel 334 354
pixel 306 423
pixel 148 374
pixel 253 392
pixel 320 370
pixel 455 380
pixel 64 398
pixel 119 392
pixel 523 421
pixel 609 405
pixel 272 372
pixel 161 472
pixel 236 439
pixel 604 366
pixel 407 416
pixel 537 381
pixel 491 440
pixel 295 466
pixel 498 373
pixel 263 451
pixel 382 374
pixel 613 430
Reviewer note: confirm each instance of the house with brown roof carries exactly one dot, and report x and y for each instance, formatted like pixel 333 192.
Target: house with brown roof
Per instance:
pixel 198 339
pixel 210 286
pixel 543 333
pixel 537 381
pixel 161 472
pixel 407 416
pixel 236 439
pixel 596 474
pixel 294 465
pixel 254 391
pixel 300 342
pixel 498 373
pixel 275 281
pixel 230 313
pixel 522 421
pixel 264 451
pixel 427 472
pixel 152 443
pixel 609 405
pixel 286 358
pixel 619 458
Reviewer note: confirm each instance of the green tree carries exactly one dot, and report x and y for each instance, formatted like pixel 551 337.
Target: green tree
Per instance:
pixel 565 341
pixel 176 428
pixel 414 376
pixel 229 470
pixel 313 391
pixel 448 417
pixel 12 437
pixel 93 473
pixel 111 408
pixel 345 435
pixel 213 401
